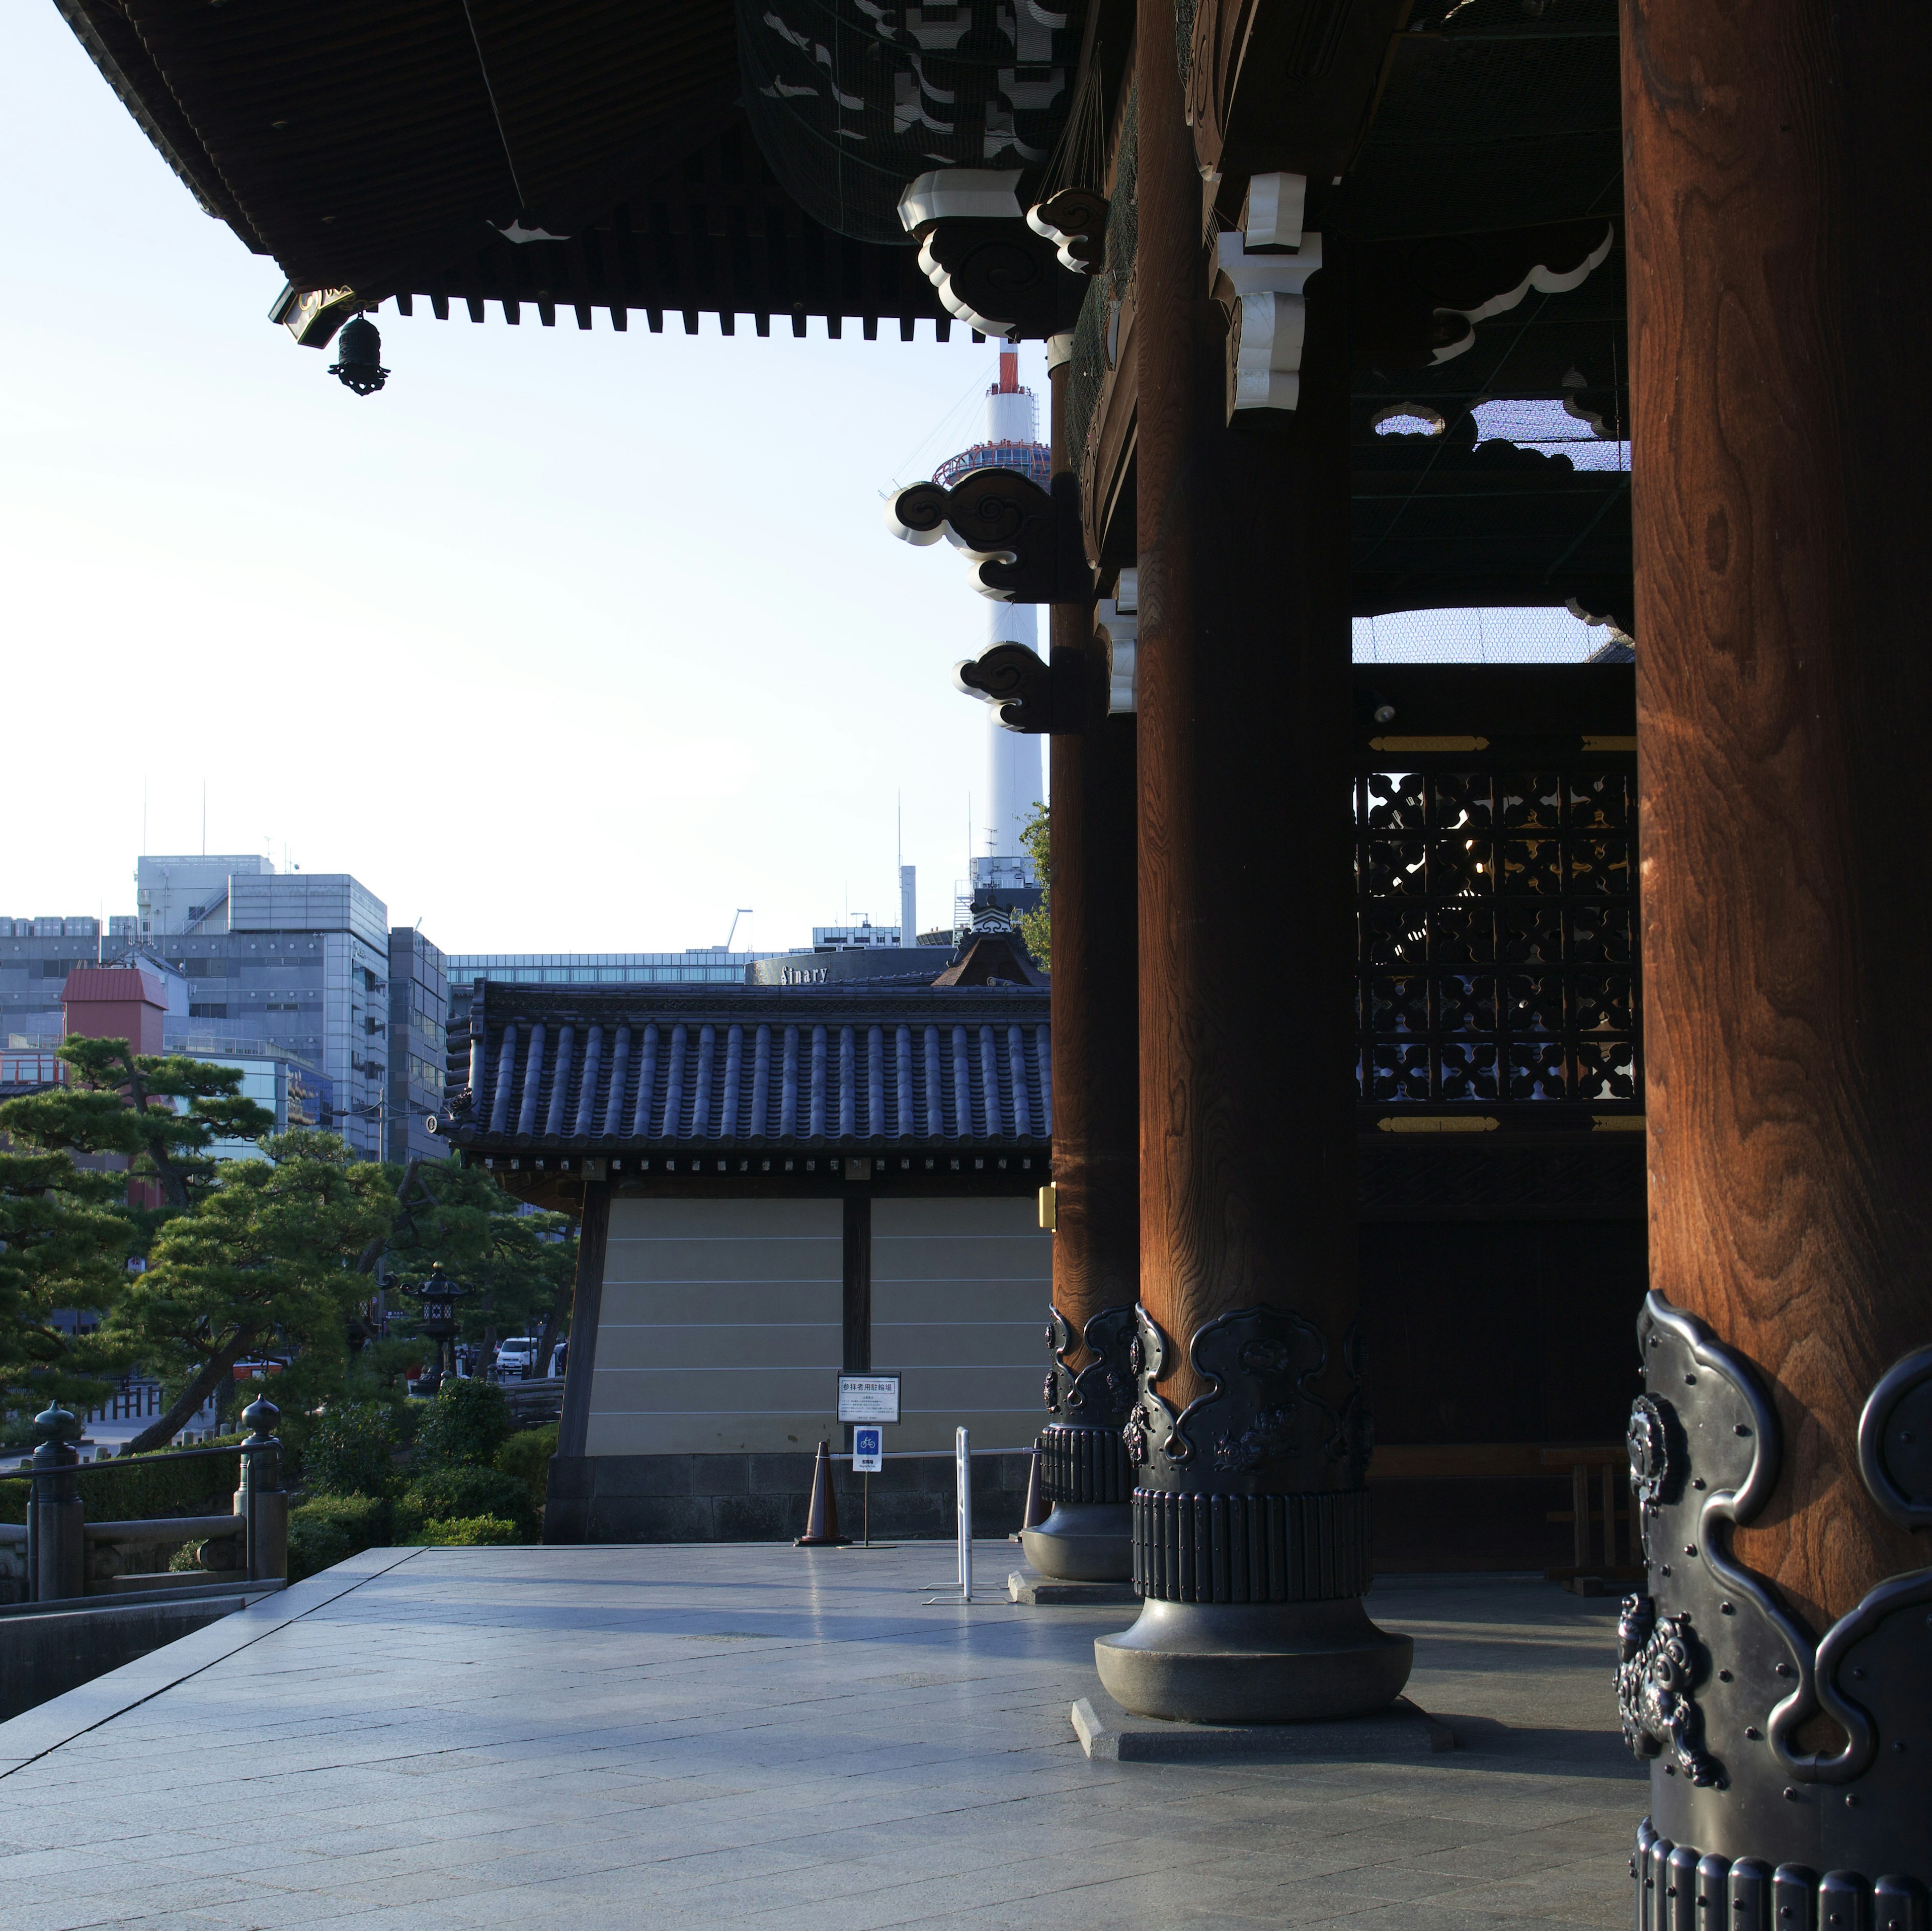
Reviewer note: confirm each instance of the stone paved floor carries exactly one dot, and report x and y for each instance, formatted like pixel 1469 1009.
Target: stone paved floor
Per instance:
pixel 459 1740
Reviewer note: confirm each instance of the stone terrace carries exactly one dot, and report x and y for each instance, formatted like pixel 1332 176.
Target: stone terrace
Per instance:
pixel 458 1739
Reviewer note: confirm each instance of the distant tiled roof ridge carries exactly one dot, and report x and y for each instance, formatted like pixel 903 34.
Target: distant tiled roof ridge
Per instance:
pixel 594 1069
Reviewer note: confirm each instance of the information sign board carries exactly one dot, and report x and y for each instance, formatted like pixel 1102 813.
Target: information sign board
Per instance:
pixel 868 1455
pixel 868 1398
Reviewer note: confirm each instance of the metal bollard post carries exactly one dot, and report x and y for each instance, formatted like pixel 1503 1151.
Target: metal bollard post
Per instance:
pixel 962 1469
pixel 261 1501
pixel 57 1553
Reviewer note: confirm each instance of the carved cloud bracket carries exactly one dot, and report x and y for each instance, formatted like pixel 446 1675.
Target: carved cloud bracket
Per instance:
pixel 1009 527
pixel 1074 220
pixel 1262 273
pixel 1016 681
pixel 992 266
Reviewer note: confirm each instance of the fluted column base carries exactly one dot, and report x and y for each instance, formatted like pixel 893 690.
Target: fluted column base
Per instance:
pixel 1083 1542
pixel 1253 1662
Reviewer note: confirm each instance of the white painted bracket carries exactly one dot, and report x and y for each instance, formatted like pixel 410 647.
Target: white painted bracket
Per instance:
pixel 1271 214
pixel 1117 626
pixel 959 194
pixel 1269 315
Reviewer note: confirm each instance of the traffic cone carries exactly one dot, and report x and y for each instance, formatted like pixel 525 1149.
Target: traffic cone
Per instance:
pixel 821 1516
pixel 1034 1511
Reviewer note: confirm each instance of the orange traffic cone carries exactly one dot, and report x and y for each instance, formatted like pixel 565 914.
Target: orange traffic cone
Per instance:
pixel 821 1516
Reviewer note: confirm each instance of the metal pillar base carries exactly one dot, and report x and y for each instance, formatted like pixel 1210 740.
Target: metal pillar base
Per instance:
pixel 1253 1662
pixel 1083 1542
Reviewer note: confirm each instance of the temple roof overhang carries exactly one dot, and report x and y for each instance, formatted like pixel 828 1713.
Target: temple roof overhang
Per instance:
pixel 759 1069
pixel 519 155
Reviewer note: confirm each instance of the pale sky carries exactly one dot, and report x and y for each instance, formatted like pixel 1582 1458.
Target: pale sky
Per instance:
pixel 562 642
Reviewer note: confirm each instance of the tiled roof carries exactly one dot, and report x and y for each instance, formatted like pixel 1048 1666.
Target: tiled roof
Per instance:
pixel 596 1071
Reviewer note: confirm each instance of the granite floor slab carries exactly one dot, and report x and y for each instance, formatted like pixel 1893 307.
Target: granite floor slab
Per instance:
pixel 751 1734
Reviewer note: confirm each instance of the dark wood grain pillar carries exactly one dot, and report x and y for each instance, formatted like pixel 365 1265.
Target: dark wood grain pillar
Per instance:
pixel 1096 1092
pixel 1777 161
pixel 1251 1522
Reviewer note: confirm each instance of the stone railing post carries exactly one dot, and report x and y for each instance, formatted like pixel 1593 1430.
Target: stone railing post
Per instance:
pixel 57 1548
pixel 261 1501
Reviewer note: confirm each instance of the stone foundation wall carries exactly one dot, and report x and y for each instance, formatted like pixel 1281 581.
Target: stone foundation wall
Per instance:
pixel 763 1497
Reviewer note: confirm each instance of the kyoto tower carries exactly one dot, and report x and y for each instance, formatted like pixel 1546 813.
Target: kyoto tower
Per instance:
pixel 1000 864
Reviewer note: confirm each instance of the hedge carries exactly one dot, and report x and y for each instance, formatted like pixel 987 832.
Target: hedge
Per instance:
pixel 330 1529
pixel 145 1488
pixel 451 1494
pixel 468 1532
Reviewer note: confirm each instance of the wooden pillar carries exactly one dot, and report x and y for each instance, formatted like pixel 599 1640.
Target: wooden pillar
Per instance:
pixel 1778 159
pixel 1084 1473
pixel 1251 1514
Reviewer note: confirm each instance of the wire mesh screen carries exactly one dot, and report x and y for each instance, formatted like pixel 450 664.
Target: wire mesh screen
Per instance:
pixel 1513 108
pixel 1485 636
pixel 1497 951
pixel 850 103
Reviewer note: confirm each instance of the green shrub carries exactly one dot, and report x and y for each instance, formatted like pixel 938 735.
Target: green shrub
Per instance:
pixel 467 1532
pixel 332 1528
pixel 446 1495
pixel 464 1426
pixel 526 1456
pixel 351 1450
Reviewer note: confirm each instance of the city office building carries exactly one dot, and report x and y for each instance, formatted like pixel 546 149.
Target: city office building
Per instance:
pixel 290 972
pixel 418 1019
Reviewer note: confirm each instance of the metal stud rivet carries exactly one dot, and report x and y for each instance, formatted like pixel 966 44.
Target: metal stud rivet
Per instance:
pixel 1791 1795
pixel 1690 1549
pixel 1723 1676
pixel 1738 1428
pixel 1726 1609
pixel 1751 1730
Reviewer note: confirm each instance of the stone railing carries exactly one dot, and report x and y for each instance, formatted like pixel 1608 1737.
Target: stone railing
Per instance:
pixel 60 1554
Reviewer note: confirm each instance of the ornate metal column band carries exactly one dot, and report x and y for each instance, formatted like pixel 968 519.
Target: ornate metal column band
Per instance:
pixel 1251 1548
pixel 1081 1456
pixel 1718 1678
pixel 1224 1510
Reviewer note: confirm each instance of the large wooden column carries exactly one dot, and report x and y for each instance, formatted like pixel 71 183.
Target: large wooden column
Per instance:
pixel 1778 157
pixel 1096 1094
pixel 1251 1442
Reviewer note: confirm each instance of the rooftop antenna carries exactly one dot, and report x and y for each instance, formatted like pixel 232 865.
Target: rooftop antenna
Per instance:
pixel 738 913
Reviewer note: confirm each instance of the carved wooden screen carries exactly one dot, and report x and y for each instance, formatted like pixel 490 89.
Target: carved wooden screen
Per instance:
pixel 1497 931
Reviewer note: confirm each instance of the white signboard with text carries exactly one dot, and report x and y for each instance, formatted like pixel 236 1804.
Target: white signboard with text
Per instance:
pixel 868 1398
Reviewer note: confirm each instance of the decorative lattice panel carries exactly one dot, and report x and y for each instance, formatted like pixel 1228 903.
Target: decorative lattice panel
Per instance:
pixel 1497 936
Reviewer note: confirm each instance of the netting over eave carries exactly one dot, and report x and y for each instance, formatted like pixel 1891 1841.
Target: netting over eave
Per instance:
pixel 850 103
pixel 1093 331
pixel 1493 115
